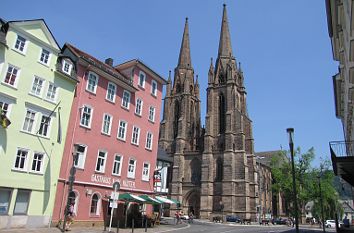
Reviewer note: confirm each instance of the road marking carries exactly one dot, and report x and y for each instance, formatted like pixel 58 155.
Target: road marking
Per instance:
pixel 175 229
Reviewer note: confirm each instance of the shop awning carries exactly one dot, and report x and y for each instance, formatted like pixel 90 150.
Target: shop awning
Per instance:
pixel 150 200
pixel 130 198
pixel 166 200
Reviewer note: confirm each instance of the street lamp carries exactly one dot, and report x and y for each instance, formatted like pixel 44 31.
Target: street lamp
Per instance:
pixel 71 182
pixel 321 201
pixel 290 131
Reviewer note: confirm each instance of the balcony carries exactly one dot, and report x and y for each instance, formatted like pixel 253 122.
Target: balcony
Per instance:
pixel 342 155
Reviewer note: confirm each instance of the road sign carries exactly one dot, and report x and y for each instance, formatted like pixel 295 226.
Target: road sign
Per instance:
pixel 116 186
pixel 113 204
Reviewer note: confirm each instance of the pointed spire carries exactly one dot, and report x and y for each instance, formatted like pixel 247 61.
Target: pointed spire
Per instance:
pixel 196 87
pixel 169 84
pixel 211 72
pixel 184 60
pixel 225 49
pixel 196 81
pixel 211 68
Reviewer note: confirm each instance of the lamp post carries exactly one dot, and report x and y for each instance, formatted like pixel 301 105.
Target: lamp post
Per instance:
pixel 290 131
pixel 321 201
pixel 71 182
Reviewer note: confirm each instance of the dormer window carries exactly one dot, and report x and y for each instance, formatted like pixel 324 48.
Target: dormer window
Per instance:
pixel 66 68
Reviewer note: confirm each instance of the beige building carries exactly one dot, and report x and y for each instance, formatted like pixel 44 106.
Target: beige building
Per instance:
pixel 214 168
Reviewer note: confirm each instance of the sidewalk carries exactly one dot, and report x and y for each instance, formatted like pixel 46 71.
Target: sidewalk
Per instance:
pixel 166 225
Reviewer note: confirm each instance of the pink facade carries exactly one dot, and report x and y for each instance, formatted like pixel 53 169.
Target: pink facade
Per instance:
pixel 105 149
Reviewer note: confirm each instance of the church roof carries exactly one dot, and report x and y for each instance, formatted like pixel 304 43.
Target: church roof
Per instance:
pixel 184 60
pixel 225 49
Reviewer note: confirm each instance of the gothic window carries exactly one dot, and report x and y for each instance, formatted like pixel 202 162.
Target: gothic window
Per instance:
pixel 222 108
pixel 195 167
pixel 221 78
pixel 191 88
pixel 178 88
pixel 219 170
pixel 177 114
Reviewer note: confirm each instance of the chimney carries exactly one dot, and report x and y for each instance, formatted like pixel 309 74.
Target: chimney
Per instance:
pixel 109 61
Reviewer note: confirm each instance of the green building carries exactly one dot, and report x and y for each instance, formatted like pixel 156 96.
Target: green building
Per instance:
pixel 36 92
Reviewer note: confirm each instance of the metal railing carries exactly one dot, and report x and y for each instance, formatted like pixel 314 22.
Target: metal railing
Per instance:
pixel 342 148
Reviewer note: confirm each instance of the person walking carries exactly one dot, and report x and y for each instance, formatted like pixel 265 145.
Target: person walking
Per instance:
pixel 70 217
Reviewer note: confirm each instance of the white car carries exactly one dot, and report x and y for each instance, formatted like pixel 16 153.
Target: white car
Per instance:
pixel 332 223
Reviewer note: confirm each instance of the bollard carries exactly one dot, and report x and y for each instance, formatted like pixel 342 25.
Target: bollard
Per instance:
pixel 117 225
pixel 146 224
pixel 132 225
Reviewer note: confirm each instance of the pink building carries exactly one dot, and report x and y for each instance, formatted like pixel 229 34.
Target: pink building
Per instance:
pixel 114 126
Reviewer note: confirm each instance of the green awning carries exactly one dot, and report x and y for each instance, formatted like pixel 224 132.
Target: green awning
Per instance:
pixel 166 200
pixel 130 198
pixel 150 200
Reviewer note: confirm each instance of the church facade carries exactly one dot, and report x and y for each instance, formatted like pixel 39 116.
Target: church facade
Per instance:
pixel 214 168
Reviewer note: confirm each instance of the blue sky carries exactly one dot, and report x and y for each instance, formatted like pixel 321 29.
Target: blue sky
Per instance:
pixel 283 46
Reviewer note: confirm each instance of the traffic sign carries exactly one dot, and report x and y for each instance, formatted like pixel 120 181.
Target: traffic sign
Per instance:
pixel 116 186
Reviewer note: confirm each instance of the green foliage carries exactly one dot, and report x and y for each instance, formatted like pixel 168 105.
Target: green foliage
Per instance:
pixel 307 182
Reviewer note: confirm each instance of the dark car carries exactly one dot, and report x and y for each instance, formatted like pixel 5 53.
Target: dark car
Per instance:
pixel 280 221
pixel 232 218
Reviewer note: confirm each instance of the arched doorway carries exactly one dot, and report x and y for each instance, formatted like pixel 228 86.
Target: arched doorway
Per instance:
pixel 193 202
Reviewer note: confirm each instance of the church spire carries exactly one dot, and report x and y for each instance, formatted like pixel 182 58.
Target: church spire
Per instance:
pixel 184 60
pixel 225 49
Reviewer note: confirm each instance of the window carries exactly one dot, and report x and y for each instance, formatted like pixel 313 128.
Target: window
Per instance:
pixel 5 107
pixel 11 75
pixel 81 156
pixel 52 92
pixel 154 87
pixel 86 116
pixel 28 125
pixel 21 159
pixel 117 165
pixel 111 92
pixel 22 200
pixel 106 124
pixel 152 114
pixel 92 82
pixel 20 44
pixel 5 195
pixel 126 99
pixel 44 127
pixel 66 68
pixel 146 172
pixel 44 56
pixel 101 161
pixel 131 168
pixel 138 106
pixel 141 79
pixel 37 86
pixel 94 210
pixel 135 135
pixel 148 144
pixel 122 130
pixel 37 162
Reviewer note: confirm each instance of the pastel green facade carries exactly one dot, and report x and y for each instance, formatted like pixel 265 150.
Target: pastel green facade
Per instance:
pixel 36 179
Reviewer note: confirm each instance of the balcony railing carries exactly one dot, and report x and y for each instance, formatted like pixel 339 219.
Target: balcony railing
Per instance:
pixel 342 148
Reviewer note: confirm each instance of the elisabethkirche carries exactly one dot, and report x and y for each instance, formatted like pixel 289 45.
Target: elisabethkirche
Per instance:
pixel 214 168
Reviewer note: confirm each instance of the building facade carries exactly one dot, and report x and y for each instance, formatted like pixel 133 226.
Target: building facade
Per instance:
pixel 36 97
pixel 214 169
pixel 113 130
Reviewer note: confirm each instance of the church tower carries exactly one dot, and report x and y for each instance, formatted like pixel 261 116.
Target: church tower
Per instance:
pixel 228 181
pixel 180 129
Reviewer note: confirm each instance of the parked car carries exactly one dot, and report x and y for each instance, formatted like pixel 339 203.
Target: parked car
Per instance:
pixel 332 223
pixel 232 218
pixel 280 221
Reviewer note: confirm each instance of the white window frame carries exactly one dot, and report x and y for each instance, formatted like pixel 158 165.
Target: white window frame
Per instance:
pixel 24 46
pixel 48 128
pixel 97 205
pixel 90 74
pixel 25 165
pixel 126 99
pixel 17 76
pixel 41 89
pixel 82 114
pixel 135 135
pixel 99 159
pixel 131 174
pixel 141 75
pixel 152 113
pixel 149 140
pixel 114 92
pixel 41 161
pixel 54 99
pixel 81 157
pixel 153 90
pixel 138 107
pixel 34 121
pixel 9 103
pixel 70 66
pixel 125 130
pixel 120 165
pixel 145 177
pixel 104 124
pixel 48 58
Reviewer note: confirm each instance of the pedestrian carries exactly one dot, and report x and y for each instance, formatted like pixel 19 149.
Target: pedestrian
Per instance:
pixel 191 216
pixel 177 215
pixel 70 216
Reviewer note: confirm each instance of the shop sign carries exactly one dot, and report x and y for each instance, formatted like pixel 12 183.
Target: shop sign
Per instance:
pixel 109 181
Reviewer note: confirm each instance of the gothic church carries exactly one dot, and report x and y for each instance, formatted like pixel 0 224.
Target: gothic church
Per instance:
pixel 214 169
